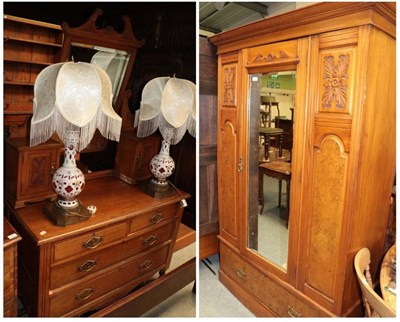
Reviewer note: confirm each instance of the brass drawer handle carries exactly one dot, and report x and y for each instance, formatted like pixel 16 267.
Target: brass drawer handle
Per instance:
pixel 150 240
pixel 240 273
pixel 87 266
pixel 145 265
pixel 156 218
pixel 293 313
pixel 93 242
pixel 85 294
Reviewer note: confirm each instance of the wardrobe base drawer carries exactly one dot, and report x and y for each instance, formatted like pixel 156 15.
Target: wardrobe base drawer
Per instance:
pixel 276 297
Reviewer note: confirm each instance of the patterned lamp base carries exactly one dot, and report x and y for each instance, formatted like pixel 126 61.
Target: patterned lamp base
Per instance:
pixel 68 182
pixel 161 166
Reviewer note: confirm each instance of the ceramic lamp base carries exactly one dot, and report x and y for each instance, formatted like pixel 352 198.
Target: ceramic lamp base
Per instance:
pixel 66 216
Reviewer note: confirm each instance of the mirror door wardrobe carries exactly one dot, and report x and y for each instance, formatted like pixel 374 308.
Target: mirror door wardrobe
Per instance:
pixel 271 105
pixel 273 154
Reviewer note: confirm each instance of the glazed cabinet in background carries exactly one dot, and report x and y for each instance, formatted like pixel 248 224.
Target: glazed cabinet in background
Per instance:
pixel 342 60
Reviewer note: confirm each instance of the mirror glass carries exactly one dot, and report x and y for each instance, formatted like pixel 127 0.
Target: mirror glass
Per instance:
pixel 271 118
pixel 113 61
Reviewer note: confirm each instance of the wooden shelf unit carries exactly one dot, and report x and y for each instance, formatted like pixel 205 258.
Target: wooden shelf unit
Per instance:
pixel 29 47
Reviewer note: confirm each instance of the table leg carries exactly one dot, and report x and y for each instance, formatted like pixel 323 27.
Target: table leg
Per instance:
pixel 261 190
pixel 280 193
pixel 280 145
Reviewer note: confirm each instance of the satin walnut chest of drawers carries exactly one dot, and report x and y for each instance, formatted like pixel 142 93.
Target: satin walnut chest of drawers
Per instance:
pixel 68 271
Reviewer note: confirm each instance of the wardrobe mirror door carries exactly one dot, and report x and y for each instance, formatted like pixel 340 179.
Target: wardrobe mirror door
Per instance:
pixel 270 118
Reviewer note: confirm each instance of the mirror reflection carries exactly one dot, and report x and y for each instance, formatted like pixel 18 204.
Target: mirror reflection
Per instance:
pixel 113 61
pixel 271 118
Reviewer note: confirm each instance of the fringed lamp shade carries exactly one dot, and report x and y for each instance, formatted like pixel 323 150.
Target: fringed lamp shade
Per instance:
pixel 73 100
pixel 168 104
pixel 73 96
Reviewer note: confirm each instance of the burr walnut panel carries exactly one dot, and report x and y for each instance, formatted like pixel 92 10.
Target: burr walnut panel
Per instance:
pixel 330 167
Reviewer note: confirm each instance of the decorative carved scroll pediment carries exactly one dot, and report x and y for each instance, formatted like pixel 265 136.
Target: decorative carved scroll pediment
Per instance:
pixel 270 57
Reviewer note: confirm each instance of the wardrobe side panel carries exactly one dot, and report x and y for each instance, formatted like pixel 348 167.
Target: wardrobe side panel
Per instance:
pixel 228 140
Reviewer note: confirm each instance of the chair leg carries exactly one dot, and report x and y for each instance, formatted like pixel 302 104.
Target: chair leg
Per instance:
pixel 280 192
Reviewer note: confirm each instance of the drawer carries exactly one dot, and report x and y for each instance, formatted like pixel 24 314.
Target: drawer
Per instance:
pixel 153 218
pixel 89 290
pixel 86 243
pixel 277 298
pixel 83 266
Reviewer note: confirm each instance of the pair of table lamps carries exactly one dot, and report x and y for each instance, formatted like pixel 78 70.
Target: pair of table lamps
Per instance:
pixel 74 99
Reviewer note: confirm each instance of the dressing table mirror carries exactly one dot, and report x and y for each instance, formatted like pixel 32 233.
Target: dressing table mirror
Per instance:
pixel 114 50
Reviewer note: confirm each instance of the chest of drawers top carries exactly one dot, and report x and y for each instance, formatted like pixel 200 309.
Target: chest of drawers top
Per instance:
pixel 115 201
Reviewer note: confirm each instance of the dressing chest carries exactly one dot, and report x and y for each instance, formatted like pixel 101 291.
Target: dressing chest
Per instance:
pixel 69 271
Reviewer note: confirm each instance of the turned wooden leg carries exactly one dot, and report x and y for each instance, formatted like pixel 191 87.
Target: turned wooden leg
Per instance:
pixel 261 190
pixel 280 193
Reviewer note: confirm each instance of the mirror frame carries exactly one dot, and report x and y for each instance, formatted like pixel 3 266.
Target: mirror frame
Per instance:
pixel 88 33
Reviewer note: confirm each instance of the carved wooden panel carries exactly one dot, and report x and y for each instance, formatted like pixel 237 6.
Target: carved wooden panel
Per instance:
pixel 336 80
pixel 330 171
pixel 229 85
pixel 228 156
pixel 38 167
pixel 279 53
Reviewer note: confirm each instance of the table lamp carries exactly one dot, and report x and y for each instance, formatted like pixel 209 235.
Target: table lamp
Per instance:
pixel 169 105
pixel 73 100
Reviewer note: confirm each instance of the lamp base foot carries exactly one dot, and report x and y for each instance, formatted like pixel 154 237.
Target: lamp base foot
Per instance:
pixel 64 217
pixel 156 190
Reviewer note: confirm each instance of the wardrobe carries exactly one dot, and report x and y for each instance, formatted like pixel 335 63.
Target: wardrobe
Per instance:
pixel 343 58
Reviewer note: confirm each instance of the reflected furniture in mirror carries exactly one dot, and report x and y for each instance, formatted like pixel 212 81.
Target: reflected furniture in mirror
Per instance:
pixel 339 191
pixel 279 170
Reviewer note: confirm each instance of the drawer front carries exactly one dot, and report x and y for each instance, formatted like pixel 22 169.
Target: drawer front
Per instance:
pixel 153 218
pixel 88 291
pixel 88 242
pixel 271 294
pixel 83 266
